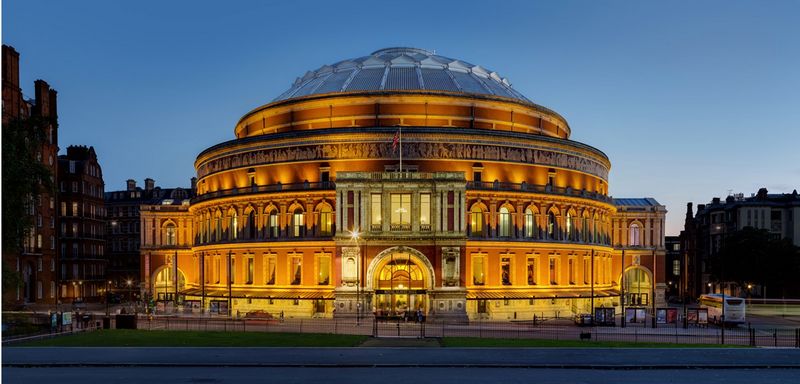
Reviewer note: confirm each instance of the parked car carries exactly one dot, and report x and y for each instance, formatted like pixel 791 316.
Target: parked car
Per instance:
pixel 583 319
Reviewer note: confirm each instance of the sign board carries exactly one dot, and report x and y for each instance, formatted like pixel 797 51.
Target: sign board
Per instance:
pixel 66 318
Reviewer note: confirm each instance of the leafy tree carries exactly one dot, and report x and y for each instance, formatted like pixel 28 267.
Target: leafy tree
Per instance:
pixel 25 178
pixel 754 256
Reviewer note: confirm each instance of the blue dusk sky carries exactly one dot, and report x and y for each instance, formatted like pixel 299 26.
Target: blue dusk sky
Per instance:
pixel 689 99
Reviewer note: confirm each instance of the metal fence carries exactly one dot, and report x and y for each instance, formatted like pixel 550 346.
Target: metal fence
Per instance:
pixel 761 337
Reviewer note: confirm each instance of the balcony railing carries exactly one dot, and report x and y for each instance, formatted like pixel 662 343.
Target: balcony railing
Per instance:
pixel 305 186
pixel 399 227
pixel 537 188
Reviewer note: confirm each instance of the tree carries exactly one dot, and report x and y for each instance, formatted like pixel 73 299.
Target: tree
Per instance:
pixel 754 256
pixel 25 178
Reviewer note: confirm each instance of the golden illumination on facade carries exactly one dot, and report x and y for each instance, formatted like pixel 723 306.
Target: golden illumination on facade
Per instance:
pixel 496 215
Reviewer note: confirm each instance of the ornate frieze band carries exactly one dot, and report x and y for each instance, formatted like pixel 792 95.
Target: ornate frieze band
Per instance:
pixel 411 151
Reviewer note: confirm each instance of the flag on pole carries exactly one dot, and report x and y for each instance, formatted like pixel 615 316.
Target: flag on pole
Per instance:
pixel 395 140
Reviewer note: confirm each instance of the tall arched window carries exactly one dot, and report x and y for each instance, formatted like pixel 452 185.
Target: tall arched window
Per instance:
pixel 504 223
pixel 233 228
pixel 551 225
pixel 476 221
pixel 570 227
pixel 170 237
pixel 298 223
pixel 274 230
pixel 251 225
pixel 635 240
pixel 325 221
pixel 528 223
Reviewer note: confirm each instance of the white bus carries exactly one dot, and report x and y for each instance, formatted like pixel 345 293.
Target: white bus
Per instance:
pixel 734 308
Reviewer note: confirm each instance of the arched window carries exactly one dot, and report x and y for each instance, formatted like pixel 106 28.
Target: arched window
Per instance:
pixel 570 227
pixel 274 229
pixel 635 241
pixel 551 225
pixel 325 221
pixel 251 225
pixel 528 223
pixel 233 228
pixel 298 221
pixel 504 223
pixel 476 221
pixel 170 236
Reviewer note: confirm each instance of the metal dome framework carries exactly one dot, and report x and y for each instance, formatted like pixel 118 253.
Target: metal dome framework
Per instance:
pixel 402 68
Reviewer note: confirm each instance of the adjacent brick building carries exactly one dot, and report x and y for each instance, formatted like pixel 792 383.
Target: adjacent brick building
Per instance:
pixel 82 227
pixel 37 261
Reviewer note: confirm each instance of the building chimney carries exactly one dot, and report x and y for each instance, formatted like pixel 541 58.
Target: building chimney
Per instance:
pixel 42 90
pixel 131 184
pixel 193 182
pixel 149 184
pixel 715 200
pixel 689 212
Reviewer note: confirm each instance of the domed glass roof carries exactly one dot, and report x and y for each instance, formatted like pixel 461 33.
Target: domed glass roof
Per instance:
pixel 402 69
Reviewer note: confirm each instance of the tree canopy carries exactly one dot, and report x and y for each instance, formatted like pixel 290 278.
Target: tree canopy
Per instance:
pixel 755 256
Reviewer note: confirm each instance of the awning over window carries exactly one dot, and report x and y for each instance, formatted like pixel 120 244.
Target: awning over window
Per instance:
pixel 302 294
pixel 537 294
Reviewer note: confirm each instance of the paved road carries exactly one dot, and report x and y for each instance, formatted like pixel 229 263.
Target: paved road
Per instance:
pixel 412 357
pixel 391 375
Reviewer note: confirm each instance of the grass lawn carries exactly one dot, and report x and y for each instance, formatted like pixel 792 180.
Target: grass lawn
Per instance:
pixel 141 338
pixel 462 342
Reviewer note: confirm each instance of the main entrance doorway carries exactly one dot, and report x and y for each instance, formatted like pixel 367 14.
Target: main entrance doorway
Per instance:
pixel 400 288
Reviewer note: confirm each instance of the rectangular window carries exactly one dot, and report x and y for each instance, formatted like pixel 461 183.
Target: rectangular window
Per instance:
pixel 250 264
pixel 676 267
pixel 376 218
pixel 52 289
pixel 479 270
pixel 75 186
pixel 217 266
pixel 72 166
pixel 63 208
pixel 531 271
pixel 425 212
pixel 505 271
pixel 323 270
pixel 38 289
pixel 296 271
pixel 553 272
pixel 270 263
pixel 401 212
pixel 273 224
pixel 74 209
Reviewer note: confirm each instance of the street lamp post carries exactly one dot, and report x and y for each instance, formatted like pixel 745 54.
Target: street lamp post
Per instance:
pixel 129 283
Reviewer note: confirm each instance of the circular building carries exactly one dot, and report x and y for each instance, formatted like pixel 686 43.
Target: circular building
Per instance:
pixel 395 183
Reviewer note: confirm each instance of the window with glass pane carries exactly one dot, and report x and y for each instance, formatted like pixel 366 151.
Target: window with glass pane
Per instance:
pixel 325 221
pixel 553 274
pixel 478 270
pixel 504 223
pixel 505 271
pixel 476 221
pixel 269 273
pixel 298 219
pixel 376 217
pixel 676 267
pixel 273 224
pixel 528 223
pixel 551 225
pixel 170 234
pixel 569 226
pixel 401 211
pixel 250 265
pixel 634 238
pixel 323 270
pixel 424 212
pixel 531 271
pixel 234 226
pixel 296 270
